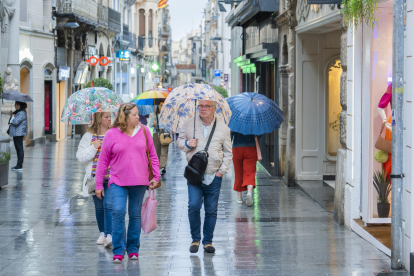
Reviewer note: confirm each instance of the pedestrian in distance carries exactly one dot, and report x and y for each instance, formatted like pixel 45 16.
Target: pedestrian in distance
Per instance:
pixel 162 150
pixel 143 119
pixel 125 149
pixel 88 153
pixel 244 161
pixel 220 155
pixel 18 130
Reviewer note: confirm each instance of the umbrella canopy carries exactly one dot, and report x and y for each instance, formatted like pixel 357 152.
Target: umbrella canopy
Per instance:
pixel 14 95
pixel 162 90
pixel 145 109
pixel 181 105
pixel 254 114
pixel 150 97
pixel 81 106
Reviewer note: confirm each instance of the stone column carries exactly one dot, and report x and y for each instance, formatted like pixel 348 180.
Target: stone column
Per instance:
pixel 146 29
pixel 14 41
pixel 290 166
pixel 341 168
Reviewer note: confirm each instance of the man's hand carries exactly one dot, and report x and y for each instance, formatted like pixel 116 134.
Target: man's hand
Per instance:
pixel 193 143
pixel 11 112
pixel 219 174
pixel 154 184
pixel 100 193
pixel 154 124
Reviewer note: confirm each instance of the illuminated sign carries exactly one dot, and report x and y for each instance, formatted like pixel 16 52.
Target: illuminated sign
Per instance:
pixel 103 61
pixel 124 55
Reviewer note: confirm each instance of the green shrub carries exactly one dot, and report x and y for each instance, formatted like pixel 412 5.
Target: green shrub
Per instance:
pixel 100 82
pixel 222 91
pixel 4 157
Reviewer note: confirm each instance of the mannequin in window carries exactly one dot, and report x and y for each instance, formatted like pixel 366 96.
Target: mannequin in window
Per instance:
pixel 385 100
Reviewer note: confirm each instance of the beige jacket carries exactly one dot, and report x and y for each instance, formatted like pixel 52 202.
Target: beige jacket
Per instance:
pixel 220 149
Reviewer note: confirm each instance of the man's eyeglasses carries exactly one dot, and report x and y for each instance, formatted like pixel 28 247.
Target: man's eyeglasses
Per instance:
pixel 204 106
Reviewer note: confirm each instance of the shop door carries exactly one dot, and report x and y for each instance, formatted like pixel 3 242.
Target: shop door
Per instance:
pixel 48 107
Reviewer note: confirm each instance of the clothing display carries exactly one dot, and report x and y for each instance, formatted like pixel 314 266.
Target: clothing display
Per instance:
pixel 385 100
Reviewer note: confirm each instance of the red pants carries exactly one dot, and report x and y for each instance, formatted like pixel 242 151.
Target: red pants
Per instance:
pixel 244 160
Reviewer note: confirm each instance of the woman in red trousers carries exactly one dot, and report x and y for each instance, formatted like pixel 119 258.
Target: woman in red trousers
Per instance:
pixel 244 160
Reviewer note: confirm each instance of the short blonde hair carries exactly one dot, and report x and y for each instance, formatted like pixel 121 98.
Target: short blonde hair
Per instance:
pixel 122 116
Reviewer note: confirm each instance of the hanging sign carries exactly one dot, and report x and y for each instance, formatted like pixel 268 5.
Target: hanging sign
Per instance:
pixel 124 55
pixel 103 61
pixel 64 73
pixel 226 77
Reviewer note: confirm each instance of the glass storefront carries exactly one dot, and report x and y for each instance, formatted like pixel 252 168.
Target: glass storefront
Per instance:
pixel 377 164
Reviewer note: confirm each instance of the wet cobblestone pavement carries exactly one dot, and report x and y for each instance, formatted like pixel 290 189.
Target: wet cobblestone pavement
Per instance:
pixel 46 230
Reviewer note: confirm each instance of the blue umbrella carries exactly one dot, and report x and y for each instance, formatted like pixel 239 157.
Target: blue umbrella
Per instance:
pixel 145 109
pixel 254 114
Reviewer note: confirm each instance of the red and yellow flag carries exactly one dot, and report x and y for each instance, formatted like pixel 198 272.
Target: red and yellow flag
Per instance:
pixel 162 4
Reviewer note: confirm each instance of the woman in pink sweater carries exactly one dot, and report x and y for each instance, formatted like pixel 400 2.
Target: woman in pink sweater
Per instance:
pixel 125 150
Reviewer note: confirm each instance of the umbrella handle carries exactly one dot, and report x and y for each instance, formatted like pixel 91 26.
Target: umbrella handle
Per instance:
pixel 195 114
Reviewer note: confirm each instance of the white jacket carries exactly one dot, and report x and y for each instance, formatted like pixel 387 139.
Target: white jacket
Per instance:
pixel 85 154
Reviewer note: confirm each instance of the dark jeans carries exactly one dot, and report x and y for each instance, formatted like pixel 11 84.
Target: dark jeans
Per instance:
pixel 195 200
pixel 103 210
pixel 18 144
pixel 120 240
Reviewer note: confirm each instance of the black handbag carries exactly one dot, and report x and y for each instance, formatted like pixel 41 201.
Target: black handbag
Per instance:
pixel 197 165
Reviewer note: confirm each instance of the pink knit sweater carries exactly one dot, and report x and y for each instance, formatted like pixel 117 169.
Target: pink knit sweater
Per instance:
pixel 128 159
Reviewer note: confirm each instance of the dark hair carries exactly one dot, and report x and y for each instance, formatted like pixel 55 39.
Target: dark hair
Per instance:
pixel 23 106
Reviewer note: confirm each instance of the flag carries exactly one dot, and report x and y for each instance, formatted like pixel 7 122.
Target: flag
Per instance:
pixel 162 4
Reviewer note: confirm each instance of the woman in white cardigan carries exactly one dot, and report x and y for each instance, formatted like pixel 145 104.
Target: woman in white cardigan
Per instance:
pixel 88 153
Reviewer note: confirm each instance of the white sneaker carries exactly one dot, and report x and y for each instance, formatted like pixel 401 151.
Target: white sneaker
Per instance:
pixel 249 200
pixel 240 200
pixel 101 238
pixel 108 241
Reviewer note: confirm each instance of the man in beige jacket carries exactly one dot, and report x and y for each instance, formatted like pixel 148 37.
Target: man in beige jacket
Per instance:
pixel 220 156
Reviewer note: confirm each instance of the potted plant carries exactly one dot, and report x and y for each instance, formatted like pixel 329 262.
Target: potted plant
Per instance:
pixel 221 90
pixel 355 12
pixel 4 168
pixel 382 184
pixel 100 82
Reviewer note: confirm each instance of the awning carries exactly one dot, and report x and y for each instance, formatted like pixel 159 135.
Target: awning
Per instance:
pixel 247 9
pixel 264 52
pixel 186 68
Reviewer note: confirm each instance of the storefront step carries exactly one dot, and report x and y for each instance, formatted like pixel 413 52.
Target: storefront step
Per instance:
pixel 319 191
pixel 377 235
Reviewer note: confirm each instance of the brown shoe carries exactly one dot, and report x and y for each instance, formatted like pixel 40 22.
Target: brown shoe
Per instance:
pixel 194 246
pixel 209 248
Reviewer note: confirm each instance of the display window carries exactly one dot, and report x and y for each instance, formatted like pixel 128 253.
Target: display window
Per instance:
pixel 376 124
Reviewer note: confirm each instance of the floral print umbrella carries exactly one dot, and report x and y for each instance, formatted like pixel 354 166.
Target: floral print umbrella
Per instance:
pixel 80 106
pixel 180 105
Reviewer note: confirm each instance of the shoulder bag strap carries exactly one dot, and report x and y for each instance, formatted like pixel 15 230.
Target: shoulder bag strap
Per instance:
pixel 211 136
pixel 151 175
pixel 195 116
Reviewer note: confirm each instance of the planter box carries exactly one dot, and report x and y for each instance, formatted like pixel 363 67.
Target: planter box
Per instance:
pixel 4 174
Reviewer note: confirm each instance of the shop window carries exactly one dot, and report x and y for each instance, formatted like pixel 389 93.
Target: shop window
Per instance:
pixel 333 106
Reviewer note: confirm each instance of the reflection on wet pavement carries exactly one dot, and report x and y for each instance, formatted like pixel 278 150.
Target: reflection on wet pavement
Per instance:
pixel 46 230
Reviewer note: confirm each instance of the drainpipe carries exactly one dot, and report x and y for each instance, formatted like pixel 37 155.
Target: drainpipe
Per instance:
pixel 397 233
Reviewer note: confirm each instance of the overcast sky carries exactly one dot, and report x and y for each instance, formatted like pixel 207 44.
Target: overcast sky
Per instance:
pixel 184 14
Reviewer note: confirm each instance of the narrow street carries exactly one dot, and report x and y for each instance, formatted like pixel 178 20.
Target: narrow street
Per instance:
pixel 46 229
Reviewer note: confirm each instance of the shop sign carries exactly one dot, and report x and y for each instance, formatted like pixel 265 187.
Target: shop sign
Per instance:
pixel 203 67
pixel 124 55
pixel 103 61
pixel 64 73
pixel 217 73
pixel 226 77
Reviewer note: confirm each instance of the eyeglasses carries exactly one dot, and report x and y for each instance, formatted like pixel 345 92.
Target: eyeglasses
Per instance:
pixel 204 106
pixel 128 106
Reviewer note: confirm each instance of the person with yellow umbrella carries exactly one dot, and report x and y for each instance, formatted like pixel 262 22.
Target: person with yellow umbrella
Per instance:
pixel 161 138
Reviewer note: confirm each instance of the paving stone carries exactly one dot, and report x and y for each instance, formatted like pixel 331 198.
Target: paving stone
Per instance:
pixel 46 229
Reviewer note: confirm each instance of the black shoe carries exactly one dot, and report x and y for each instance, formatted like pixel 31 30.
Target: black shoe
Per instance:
pixel 17 168
pixel 194 246
pixel 163 171
pixel 209 248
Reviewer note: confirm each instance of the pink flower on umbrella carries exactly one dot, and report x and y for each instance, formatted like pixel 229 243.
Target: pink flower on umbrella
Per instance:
pixel 99 110
pixel 109 100
pixel 87 102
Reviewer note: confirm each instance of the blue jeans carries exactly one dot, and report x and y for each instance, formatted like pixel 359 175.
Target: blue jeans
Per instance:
pixel 103 210
pixel 195 200
pixel 120 195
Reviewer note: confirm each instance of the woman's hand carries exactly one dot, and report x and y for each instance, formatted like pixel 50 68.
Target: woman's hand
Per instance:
pixel 219 174
pixel 11 113
pixel 154 184
pixel 97 144
pixel 100 193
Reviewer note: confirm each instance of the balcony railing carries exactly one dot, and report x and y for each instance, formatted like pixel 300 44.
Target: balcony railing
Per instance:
pixel 87 9
pixel 114 20
pixel 152 42
pixel 141 43
pixel 133 42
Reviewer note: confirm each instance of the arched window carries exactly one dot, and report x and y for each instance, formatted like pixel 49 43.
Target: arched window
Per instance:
pixel 333 106
pixel 142 22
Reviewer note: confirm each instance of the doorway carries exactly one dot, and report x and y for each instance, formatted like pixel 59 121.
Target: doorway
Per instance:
pixel 60 103
pixel 25 88
pixel 48 107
